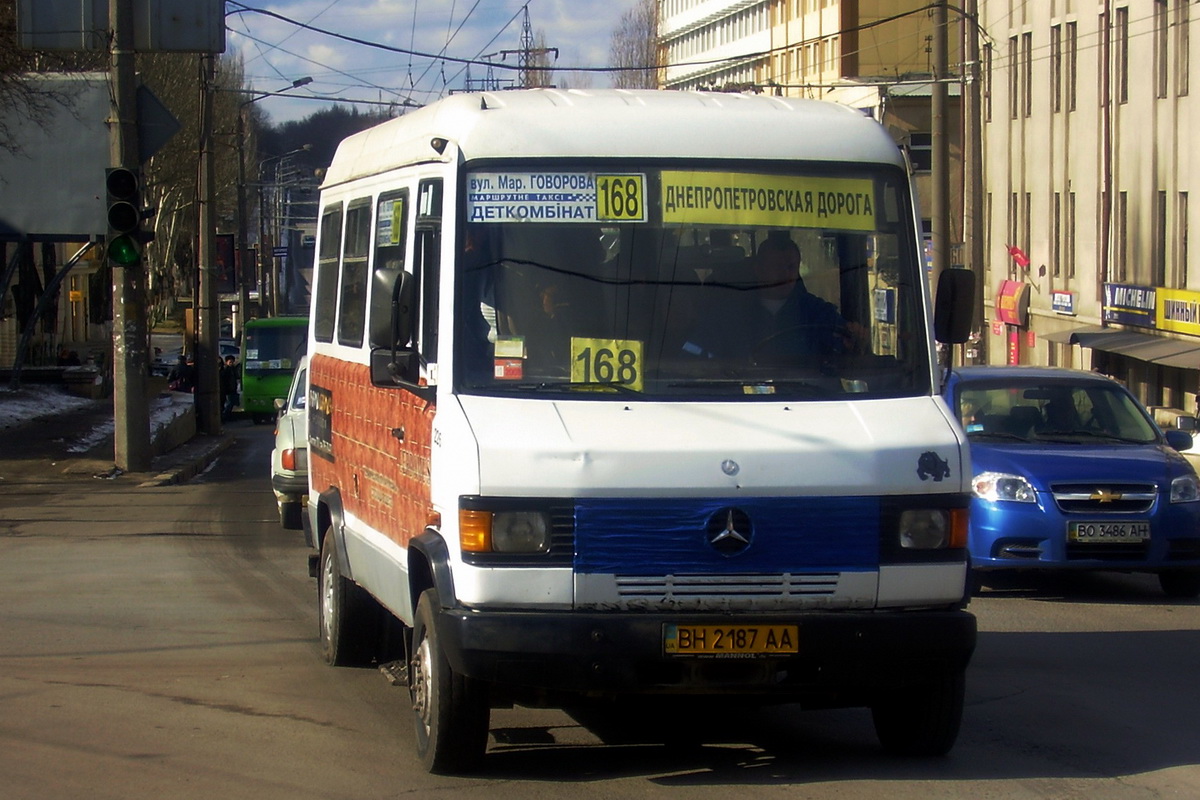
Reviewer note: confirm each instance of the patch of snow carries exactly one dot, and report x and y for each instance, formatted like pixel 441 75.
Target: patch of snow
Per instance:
pixel 35 402
pixel 31 403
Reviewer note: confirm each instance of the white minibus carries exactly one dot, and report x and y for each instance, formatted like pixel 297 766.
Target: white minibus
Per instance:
pixel 629 395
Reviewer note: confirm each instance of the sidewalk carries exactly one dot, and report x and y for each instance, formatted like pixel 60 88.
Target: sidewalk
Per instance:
pixel 70 439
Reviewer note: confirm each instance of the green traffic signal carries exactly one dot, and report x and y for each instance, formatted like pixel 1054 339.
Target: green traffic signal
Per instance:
pixel 124 217
pixel 124 251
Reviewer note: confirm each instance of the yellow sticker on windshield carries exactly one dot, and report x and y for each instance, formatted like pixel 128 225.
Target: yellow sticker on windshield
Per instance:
pixel 602 362
pixel 786 201
pixel 621 198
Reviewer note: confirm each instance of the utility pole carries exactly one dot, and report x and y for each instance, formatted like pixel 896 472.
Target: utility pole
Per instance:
pixel 208 395
pixel 131 410
pixel 973 234
pixel 940 156
pixel 529 68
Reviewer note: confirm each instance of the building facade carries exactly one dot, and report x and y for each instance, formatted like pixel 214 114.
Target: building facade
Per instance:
pixel 875 55
pixel 1087 127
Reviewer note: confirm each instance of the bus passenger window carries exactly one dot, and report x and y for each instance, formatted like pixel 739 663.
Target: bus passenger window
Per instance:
pixel 352 308
pixel 325 302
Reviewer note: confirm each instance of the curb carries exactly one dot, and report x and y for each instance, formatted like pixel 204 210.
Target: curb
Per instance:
pixel 192 464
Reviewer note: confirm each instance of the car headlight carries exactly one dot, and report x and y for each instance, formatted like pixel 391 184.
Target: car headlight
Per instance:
pixel 504 531
pixel 1001 486
pixel 1185 489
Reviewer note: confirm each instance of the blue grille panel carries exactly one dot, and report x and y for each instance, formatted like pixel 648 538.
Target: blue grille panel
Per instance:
pixel 789 535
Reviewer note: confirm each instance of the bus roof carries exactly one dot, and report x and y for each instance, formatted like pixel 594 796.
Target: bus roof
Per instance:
pixel 538 123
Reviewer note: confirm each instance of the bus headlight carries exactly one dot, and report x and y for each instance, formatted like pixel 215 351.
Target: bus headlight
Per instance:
pixel 520 532
pixel 933 528
pixel 504 531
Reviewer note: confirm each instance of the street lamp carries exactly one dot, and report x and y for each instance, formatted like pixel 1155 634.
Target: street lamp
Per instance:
pixel 242 283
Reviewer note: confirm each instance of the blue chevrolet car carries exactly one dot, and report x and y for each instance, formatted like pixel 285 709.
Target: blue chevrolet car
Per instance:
pixel 1070 472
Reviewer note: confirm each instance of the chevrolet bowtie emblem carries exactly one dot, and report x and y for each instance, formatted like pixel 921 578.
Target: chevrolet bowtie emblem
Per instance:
pixel 1105 496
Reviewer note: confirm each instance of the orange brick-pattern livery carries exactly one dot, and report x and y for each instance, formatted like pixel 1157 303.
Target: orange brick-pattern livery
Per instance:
pixel 383 481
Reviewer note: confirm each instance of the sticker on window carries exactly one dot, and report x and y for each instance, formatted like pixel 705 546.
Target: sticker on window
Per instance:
pixel 509 197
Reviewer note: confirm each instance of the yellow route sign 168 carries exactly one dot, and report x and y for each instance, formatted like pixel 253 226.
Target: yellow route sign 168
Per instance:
pixel 597 362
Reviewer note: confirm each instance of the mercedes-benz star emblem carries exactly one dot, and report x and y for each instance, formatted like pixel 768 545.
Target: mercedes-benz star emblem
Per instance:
pixel 729 531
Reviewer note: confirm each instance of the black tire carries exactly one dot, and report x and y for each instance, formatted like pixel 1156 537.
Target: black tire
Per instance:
pixel 290 516
pixel 921 720
pixel 1180 584
pixel 450 711
pixel 344 612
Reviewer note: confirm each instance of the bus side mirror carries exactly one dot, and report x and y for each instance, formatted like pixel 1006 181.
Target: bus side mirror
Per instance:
pixel 391 315
pixel 954 307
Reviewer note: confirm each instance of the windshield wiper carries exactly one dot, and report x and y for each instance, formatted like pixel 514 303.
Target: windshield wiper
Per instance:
pixel 748 387
pixel 573 385
pixel 996 435
pixel 1112 437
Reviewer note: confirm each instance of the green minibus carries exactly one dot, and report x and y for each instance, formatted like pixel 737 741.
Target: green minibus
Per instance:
pixel 271 349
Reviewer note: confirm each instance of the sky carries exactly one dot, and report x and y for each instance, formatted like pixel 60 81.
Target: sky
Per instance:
pixel 278 52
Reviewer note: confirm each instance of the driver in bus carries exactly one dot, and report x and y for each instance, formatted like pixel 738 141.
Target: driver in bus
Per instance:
pixel 779 320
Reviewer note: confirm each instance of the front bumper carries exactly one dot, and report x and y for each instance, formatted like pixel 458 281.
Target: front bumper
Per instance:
pixel 1005 535
pixel 844 658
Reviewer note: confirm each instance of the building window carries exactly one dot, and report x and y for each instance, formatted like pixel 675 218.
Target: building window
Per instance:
pixel 920 151
pixel 1182 47
pixel 1027 220
pixel 1161 32
pixel 987 83
pixel 1014 79
pixel 1158 263
pixel 1056 236
pixel 1070 243
pixel 1122 54
pixel 1181 246
pixel 1069 68
pixel 1105 61
pixel 1013 236
pixel 1027 73
pixel 1122 233
pixel 1056 68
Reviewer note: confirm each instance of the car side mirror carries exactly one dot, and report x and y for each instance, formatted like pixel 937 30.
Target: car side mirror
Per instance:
pixel 1179 440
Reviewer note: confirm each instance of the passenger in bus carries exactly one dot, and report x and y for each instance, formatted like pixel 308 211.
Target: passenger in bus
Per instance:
pixel 777 321
pixel 552 293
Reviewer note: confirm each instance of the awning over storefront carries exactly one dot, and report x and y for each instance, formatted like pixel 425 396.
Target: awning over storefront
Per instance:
pixel 1142 346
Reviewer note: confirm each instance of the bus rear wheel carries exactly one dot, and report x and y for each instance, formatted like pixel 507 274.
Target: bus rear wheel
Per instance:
pixel 344 612
pixel 450 711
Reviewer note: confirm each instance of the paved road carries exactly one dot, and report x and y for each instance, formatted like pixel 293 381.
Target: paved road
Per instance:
pixel 160 642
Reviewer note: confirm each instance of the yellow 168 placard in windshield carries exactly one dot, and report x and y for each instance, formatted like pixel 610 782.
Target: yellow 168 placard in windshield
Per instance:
pixel 597 362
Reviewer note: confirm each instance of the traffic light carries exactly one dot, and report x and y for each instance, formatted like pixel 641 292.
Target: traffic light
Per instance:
pixel 125 215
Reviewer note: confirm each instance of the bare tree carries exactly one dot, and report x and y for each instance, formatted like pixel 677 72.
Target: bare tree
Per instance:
pixel 536 74
pixel 171 175
pixel 634 47
pixel 20 98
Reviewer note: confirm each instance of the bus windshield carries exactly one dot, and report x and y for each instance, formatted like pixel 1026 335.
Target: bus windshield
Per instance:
pixel 275 349
pixel 743 282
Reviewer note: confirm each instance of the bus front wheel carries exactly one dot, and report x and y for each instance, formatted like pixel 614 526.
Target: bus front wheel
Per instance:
pixel 450 711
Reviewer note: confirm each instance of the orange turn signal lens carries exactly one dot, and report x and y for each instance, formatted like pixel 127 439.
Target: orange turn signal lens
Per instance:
pixel 959 517
pixel 475 531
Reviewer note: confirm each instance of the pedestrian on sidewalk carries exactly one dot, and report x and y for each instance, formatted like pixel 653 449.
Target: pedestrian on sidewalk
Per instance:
pixel 229 387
